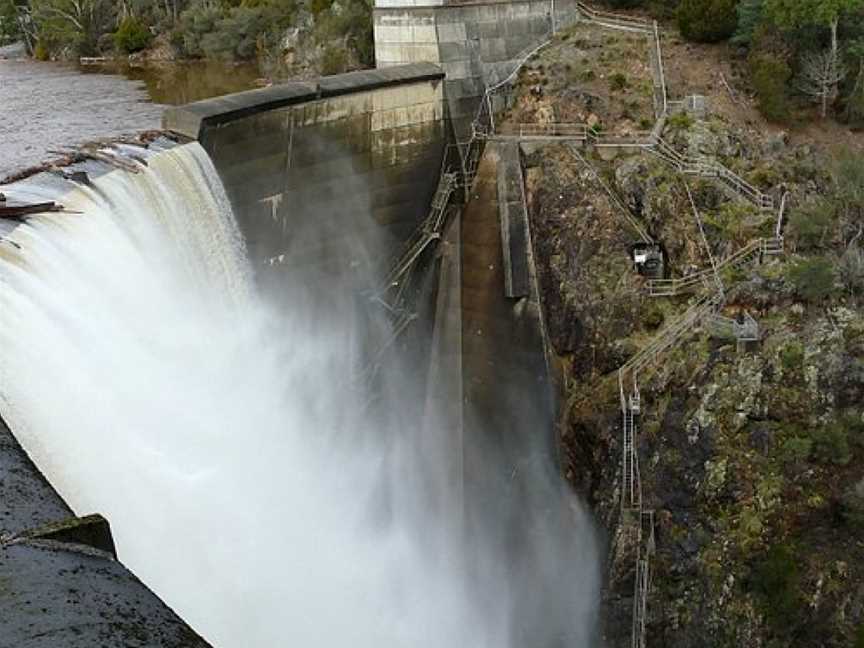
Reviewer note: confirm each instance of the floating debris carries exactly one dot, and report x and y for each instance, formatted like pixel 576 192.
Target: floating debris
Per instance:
pixel 18 210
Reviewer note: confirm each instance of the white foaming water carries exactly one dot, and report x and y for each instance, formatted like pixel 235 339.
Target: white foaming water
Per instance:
pixel 243 481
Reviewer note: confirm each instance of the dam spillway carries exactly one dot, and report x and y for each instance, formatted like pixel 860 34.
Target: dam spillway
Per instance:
pixel 262 432
pixel 169 384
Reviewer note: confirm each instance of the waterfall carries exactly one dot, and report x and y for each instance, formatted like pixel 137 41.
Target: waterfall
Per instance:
pixel 246 480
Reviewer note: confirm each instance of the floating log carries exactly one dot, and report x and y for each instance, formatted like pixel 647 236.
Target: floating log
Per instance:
pixel 112 159
pixel 17 210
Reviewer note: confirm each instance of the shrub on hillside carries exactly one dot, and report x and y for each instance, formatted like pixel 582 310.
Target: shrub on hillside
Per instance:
pixel 813 279
pixel 707 21
pixel 132 35
pixel 333 60
pixel 796 449
pixel 852 509
pixel 617 81
pixel 776 580
pixel 9 29
pixel 40 52
pixel 196 22
pixel 769 74
pixel 63 36
pixel 237 34
pixel 831 445
pixel 850 270
pixel 811 224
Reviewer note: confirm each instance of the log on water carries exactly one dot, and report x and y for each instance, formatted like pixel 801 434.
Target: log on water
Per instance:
pixel 18 210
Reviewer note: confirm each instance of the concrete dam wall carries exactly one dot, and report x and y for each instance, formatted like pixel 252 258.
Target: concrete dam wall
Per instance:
pixel 363 142
pixel 477 44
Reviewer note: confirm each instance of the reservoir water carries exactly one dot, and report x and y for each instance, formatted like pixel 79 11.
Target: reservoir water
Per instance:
pixel 46 107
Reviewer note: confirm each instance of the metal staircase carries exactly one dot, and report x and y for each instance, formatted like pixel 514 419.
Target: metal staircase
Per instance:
pixel 649 355
pixel 743 329
pixel 613 20
pixel 630 485
pixel 706 168
pixel 754 251
pixel 391 291
pixel 640 602
pixel 613 197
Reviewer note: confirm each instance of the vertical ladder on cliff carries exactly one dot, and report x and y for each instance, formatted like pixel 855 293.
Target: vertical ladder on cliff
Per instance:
pixel 631 495
pixel 640 602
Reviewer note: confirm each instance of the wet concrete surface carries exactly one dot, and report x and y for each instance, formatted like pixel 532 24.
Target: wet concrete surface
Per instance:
pixel 65 591
pixel 61 594
pixel 49 106
pixel 28 500
pixel 511 481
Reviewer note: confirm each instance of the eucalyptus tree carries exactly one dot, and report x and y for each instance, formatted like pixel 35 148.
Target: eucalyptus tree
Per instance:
pixel 854 110
pixel 75 25
pixel 824 13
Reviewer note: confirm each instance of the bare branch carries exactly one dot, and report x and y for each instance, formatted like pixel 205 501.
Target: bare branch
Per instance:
pixel 821 72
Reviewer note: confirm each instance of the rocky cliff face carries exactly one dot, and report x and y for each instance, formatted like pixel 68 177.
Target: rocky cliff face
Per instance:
pixel 752 458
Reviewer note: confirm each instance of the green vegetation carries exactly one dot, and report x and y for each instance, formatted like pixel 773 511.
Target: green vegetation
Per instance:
pixel 781 36
pixel 852 512
pixel 831 445
pixel 810 225
pixel 617 81
pixel 132 36
pixel 796 449
pixel 680 121
pixel 333 61
pixel 792 356
pixel 9 28
pixel 707 21
pixel 813 279
pixel 770 75
pixel 333 37
pixel 775 580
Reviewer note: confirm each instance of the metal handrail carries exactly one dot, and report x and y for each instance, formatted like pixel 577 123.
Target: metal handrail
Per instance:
pixel 616 200
pixel 662 74
pixel 613 19
pixel 668 287
pixel 778 233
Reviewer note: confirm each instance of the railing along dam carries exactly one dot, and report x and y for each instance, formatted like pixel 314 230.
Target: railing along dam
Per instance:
pixel 184 352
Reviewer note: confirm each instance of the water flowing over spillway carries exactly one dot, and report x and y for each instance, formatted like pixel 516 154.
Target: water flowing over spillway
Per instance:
pixel 245 477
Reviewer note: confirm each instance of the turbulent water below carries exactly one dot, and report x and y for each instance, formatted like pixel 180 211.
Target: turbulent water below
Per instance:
pixel 246 478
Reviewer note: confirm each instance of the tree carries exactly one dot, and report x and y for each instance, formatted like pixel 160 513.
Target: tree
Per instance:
pixel 750 16
pixel 847 174
pixel 827 13
pixel 769 73
pixel 706 21
pixel 854 110
pixel 9 29
pixel 850 270
pixel 71 24
pixel 812 223
pixel 813 279
pixel 821 74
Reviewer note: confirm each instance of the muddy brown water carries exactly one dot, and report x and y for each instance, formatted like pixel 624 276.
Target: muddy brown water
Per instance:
pixel 47 107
